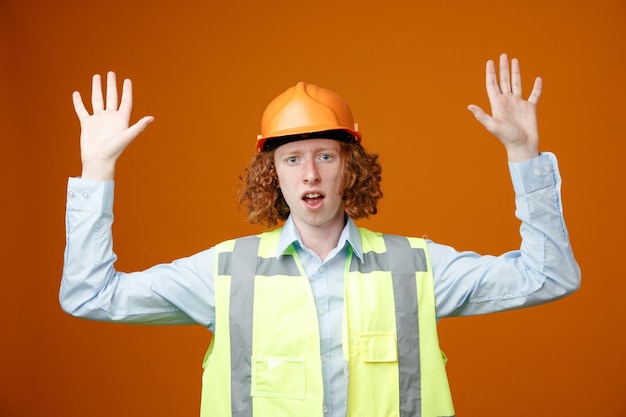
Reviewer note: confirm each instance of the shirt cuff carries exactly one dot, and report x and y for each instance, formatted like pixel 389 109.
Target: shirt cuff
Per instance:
pixel 535 174
pixel 88 195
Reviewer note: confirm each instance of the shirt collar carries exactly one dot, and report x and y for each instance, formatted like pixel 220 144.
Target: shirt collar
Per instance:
pixel 289 234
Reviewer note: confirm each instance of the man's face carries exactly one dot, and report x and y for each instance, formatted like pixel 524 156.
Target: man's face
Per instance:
pixel 310 177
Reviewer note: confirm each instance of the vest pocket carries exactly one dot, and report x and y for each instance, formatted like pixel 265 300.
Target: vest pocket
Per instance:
pixel 378 347
pixel 278 377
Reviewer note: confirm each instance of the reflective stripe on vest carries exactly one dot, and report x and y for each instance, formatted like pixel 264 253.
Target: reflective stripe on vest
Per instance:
pixel 240 261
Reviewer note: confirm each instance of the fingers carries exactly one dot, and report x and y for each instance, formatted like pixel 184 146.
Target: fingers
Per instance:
pixel 137 128
pixel 97 103
pixel 516 78
pixel 505 81
pixel 481 116
pixel 126 105
pixel 536 93
pixel 510 79
pixel 111 103
pixel 491 80
pixel 79 106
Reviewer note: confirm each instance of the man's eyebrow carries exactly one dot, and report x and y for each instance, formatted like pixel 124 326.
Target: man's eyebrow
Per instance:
pixel 326 148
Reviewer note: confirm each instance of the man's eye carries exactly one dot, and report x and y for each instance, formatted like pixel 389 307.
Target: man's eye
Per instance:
pixel 326 157
pixel 292 159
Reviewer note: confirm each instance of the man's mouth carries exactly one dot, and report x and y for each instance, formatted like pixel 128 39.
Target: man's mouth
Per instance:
pixel 312 198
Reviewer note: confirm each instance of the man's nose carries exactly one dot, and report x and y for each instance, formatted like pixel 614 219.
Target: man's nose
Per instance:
pixel 311 173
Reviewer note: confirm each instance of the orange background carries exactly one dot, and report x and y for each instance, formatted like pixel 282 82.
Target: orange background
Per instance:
pixel 205 70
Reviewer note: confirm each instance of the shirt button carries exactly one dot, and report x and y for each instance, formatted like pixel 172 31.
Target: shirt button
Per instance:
pixel 85 194
pixel 72 193
pixel 322 269
pixel 323 358
pixel 322 312
pixel 548 170
pixel 325 409
pixel 537 172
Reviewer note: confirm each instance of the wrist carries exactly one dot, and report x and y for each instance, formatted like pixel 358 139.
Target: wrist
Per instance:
pixel 519 154
pixel 98 171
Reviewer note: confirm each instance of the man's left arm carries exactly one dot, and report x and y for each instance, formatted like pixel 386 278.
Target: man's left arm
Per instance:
pixel 544 267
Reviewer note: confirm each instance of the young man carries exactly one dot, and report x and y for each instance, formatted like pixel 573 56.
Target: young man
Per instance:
pixel 318 317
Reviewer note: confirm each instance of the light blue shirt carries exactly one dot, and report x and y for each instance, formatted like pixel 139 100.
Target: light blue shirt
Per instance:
pixel 181 292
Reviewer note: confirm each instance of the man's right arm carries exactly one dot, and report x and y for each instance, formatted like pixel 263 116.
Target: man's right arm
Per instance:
pixel 177 293
pixel 180 292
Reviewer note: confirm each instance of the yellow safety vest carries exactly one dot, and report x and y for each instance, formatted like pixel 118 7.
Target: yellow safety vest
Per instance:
pixel 265 360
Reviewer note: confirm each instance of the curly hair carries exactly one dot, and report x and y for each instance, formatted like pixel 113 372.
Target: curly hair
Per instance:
pixel 260 194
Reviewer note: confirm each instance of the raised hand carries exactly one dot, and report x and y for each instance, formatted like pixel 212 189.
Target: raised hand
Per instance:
pixel 106 133
pixel 513 120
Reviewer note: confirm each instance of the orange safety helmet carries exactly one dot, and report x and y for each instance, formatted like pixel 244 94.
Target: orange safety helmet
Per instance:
pixel 306 111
